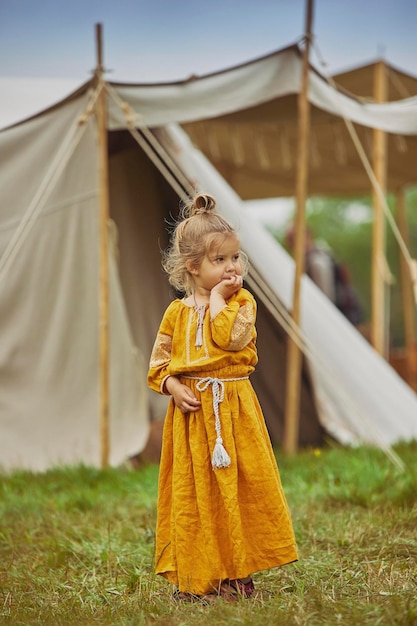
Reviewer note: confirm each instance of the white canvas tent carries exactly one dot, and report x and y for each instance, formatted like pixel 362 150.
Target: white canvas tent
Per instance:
pixel 49 273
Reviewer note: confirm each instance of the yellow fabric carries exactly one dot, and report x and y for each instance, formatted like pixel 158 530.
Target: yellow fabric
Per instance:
pixel 228 522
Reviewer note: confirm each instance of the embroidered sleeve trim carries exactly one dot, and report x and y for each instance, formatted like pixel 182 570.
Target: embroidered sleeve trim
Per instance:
pixel 242 328
pixel 161 352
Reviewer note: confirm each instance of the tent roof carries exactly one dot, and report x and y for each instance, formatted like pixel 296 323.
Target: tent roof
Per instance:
pixel 256 149
pixel 359 81
pixel 244 119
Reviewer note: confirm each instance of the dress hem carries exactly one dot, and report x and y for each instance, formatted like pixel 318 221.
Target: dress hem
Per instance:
pixel 206 586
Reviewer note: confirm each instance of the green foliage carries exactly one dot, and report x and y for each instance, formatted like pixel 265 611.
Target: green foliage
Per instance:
pixel 77 547
pixel 345 224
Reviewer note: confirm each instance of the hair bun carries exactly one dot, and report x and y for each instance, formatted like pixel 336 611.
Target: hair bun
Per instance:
pixel 202 203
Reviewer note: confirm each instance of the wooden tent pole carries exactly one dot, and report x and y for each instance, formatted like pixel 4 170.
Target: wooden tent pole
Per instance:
pixel 407 295
pixel 294 356
pixel 378 226
pixel 104 211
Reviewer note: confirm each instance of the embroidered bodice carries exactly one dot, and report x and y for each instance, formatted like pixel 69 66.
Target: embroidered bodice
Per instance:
pixel 228 342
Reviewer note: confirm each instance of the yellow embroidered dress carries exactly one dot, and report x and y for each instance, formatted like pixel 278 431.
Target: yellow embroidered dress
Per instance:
pixel 216 523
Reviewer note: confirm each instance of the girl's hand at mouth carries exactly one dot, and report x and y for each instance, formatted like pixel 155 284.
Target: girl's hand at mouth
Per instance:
pixel 228 286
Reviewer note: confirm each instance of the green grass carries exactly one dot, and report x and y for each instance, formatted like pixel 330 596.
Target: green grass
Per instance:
pixel 77 548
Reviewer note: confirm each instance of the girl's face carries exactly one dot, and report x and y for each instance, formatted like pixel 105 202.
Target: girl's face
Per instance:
pixel 220 262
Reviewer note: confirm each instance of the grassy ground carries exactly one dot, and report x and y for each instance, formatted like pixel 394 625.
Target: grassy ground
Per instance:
pixel 76 548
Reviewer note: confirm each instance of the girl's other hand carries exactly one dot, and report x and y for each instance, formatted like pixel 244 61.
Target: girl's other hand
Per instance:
pixel 182 395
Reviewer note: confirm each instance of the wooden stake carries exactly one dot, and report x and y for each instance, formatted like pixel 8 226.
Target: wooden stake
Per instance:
pixel 378 226
pixel 407 295
pixel 104 211
pixel 294 356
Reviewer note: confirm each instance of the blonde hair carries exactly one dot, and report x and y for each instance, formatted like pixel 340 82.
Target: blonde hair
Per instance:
pixel 198 229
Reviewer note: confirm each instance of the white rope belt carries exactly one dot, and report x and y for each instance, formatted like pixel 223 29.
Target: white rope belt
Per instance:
pixel 220 458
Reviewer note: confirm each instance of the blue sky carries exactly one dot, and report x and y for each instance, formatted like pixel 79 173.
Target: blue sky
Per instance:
pixel 157 40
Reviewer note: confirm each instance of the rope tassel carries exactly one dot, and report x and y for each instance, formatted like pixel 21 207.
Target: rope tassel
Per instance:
pixel 220 457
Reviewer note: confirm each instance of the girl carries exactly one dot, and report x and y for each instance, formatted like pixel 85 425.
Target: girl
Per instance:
pixel 222 513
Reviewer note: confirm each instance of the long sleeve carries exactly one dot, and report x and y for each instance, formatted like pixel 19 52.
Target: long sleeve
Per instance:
pixel 159 364
pixel 233 328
